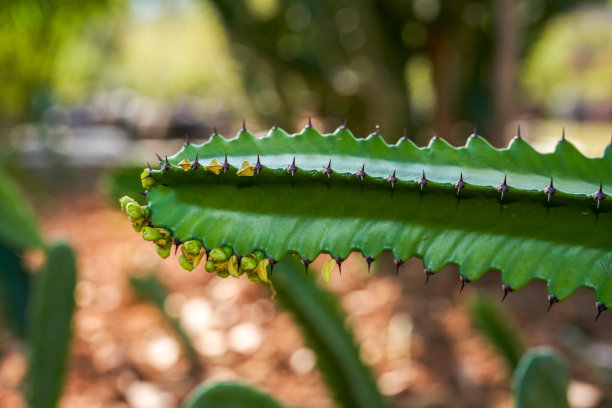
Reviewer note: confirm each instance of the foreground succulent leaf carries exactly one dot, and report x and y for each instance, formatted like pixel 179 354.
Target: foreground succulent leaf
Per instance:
pixel 477 207
pixel 229 395
pixel 541 380
pixel 50 331
pixel 322 322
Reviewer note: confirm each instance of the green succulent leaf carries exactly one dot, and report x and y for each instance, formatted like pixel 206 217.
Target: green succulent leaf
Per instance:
pixel 475 206
pixel 229 395
pixel 541 380
pixel 322 321
pixel 50 327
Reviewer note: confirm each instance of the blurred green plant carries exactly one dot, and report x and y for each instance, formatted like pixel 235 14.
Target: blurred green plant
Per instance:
pixel 541 377
pixel 497 326
pixel 31 34
pixel 151 289
pixel 322 322
pixel 417 64
pixel 541 380
pixel 229 395
pixel 50 327
pixel 38 308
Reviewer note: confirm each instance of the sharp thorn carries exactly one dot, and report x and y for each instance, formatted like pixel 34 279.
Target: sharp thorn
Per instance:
pixel 272 263
pixel 258 166
pixel 226 165
pixel 475 132
pixel 600 309
pixel 196 164
pixel 344 124
pixel 552 299
pixel 507 289
pixel 361 173
pixel 464 281
pixel 563 135
pixel 176 242
pixel 159 157
pixel 518 132
pixel 166 166
pixel 398 262
pixel 144 193
pixel 404 137
pixel 275 126
pixel 377 132
pixel 503 188
pixel 207 252
pixel 339 263
pixel 599 195
pixel 392 179
pixel 428 273
pixel 369 260
pixel 292 168
pixel 186 139
pixel 309 125
pixel 150 169
pixel 422 181
pixel 306 263
pixel 550 190
pixel 215 133
pixel 327 170
pixel 460 184
pixel 243 126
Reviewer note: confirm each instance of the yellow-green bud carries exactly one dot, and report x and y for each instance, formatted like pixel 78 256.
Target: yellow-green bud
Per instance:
pixel 218 255
pixel 147 182
pixel 164 251
pixel 133 210
pixel 228 250
pixel 146 212
pixel 209 266
pixel 185 263
pixel 253 277
pixel 222 274
pixel 193 246
pixel 137 225
pixel 125 200
pixel 151 234
pixel 259 255
pixel 248 263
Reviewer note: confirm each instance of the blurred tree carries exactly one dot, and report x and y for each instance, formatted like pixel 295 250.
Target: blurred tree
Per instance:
pixel 31 33
pixel 417 64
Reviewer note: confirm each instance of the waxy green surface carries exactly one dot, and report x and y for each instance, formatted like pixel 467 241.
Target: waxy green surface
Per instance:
pixel 567 242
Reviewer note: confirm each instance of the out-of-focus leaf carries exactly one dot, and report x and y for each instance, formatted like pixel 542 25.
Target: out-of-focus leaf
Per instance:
pixel 150 288
pixel 321 319
pixel 49 327
pixel 229 395
pixel 18 228
pixel 14 285
pixel 541 380
pixel 497 326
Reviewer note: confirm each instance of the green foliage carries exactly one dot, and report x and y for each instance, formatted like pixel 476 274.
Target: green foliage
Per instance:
pixel 494 323
pixel 151 289
pixel 49 327
pixel 229 395
pixel 14 290
pixel 561 238
pixel 541 380
pixel 321 319
pixel 18 228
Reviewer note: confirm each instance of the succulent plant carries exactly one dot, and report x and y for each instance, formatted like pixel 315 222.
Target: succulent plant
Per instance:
pixel 249 201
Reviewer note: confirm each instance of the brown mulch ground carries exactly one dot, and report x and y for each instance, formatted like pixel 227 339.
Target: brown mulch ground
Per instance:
pixel 418 338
